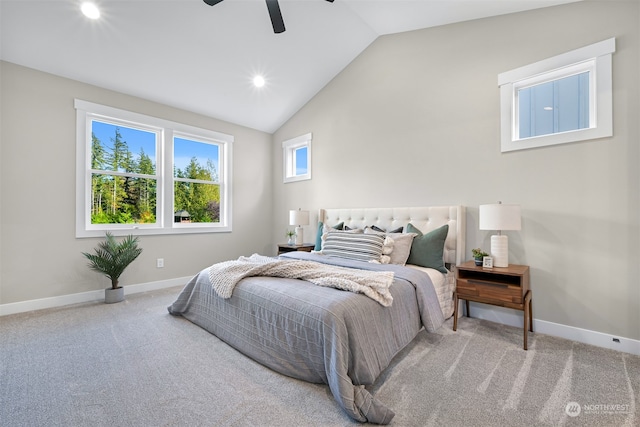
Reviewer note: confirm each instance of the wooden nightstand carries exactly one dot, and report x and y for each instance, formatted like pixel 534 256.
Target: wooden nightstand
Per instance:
pixel 285 247
pixel 502 286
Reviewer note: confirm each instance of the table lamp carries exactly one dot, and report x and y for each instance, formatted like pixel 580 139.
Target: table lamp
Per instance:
pixel 500 217
pixel 299 218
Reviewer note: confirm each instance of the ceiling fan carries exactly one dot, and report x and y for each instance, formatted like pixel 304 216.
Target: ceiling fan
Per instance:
pixel 274 13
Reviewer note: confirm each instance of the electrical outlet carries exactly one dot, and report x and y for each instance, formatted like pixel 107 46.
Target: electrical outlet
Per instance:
pixel 160 262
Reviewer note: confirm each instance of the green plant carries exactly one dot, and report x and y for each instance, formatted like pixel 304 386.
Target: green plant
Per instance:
pixel 478 253
pixel 290 233
pixel 112 258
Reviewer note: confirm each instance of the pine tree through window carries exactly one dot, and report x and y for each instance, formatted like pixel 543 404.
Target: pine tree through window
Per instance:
pixel 123 174
pixel 196 189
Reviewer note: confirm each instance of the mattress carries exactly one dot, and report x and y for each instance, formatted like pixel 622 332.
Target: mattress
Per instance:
pixel 444 285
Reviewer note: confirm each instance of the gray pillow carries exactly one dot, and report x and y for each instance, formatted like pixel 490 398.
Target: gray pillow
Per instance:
pixel 402 243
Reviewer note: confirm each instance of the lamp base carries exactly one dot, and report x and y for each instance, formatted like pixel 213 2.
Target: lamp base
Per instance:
pixel 299 235
pixel 500 250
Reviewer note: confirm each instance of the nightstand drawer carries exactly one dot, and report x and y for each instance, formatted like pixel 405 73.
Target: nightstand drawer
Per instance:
pixel 489 290
pixel 305 247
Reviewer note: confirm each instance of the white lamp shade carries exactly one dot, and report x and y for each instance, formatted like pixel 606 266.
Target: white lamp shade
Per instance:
pixel 299 217
pixel 500 217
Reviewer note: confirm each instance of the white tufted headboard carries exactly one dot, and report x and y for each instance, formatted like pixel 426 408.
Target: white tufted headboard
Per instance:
pixel 425 219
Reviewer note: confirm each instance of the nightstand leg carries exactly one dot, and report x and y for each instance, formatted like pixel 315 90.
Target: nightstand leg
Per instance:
pixel 530 312
pixel 467 305
pixel 455 310
pixel 528 322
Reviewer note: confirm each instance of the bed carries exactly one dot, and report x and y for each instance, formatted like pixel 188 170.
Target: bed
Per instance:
pixel 312 331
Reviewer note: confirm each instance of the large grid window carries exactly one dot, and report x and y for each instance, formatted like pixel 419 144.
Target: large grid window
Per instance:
pixel 143 175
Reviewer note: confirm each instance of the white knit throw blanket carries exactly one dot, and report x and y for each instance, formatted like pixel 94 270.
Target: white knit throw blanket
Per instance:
pixel 375 284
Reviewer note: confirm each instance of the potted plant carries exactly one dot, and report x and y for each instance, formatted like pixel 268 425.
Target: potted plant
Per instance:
pixel 478 254
pixel 111 259
pixel 291 235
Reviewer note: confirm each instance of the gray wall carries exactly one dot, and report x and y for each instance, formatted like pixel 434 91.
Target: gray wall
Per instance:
pixel 39 255
pixel 414 121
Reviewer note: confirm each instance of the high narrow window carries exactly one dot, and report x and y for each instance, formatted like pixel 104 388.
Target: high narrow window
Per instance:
pixel 297 158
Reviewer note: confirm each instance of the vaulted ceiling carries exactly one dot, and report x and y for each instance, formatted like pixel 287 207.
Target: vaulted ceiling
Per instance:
pixel 202 58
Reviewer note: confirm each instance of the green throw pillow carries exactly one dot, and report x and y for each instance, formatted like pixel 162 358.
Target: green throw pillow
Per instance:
pixel 427 250
pixel 318 246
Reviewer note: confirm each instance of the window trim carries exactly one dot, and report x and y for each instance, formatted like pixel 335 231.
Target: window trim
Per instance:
pixel 597 58
pixel 289 148
pixel 85 111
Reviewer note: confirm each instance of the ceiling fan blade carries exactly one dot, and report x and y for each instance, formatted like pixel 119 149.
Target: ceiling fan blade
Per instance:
pixel 274 13
pixel 276 16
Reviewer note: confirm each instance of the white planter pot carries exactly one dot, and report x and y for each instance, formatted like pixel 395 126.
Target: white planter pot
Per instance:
pixel 113 295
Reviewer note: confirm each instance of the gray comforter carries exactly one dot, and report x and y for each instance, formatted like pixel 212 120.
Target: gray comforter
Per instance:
pixel 318 334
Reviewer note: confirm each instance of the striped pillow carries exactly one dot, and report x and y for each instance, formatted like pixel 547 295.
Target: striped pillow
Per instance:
pixel 358 246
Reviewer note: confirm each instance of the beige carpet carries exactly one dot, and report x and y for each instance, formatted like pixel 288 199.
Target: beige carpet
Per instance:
pixel 133 364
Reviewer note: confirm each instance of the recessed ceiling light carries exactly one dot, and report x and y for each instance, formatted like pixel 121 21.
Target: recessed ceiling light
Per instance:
pixel 258 81
pixel 548 108
pixel 90 10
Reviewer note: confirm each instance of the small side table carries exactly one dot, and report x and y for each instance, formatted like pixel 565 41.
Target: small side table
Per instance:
pixel 285 247
pixel 501 286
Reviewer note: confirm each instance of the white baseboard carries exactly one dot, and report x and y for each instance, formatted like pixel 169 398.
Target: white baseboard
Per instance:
pixel 98 295
pixel 585 336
